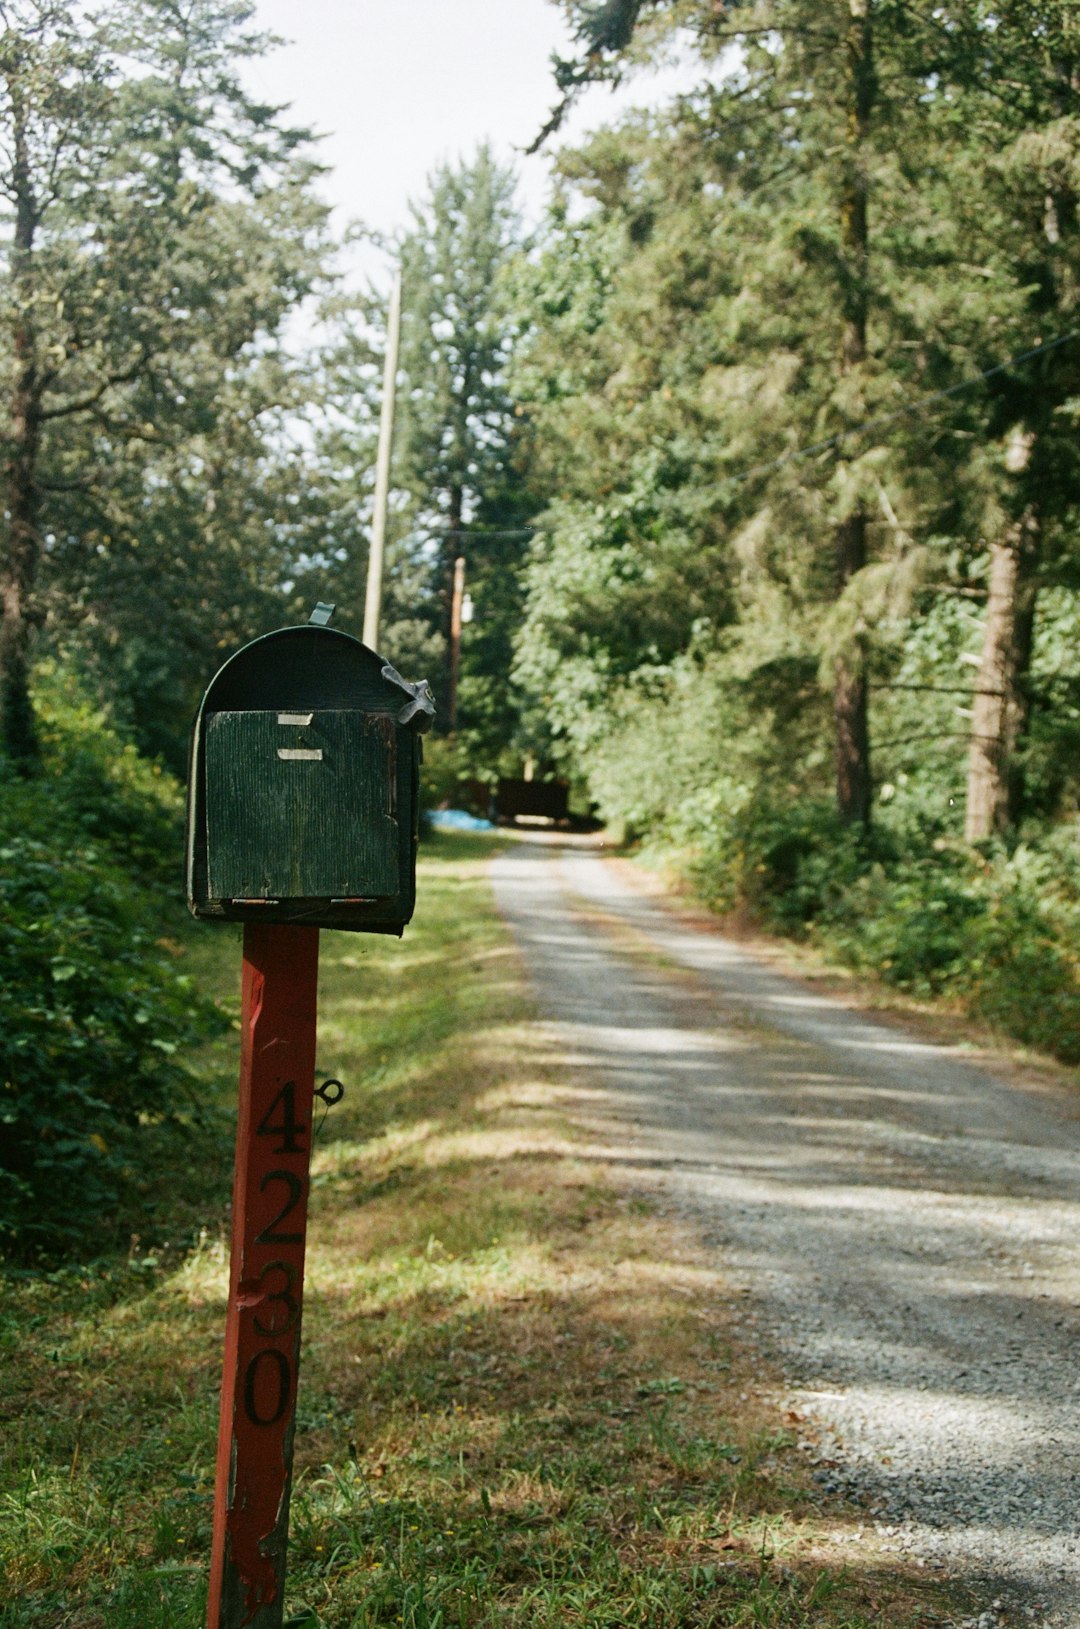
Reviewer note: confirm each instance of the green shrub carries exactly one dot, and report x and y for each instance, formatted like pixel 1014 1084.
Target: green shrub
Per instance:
pixel 997 932
pixel 909 920
pixel 1022 965
pixel 796 860
pixel 446 764
pixel 95 1014
pixel 130 806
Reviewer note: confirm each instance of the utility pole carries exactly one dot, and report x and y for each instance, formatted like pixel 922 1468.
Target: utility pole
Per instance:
pixel 455 639
pixel 373 598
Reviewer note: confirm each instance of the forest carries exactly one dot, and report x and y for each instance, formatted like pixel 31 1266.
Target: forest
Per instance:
pixel 761 450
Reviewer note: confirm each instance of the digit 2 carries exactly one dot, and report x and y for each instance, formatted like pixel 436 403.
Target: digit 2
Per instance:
pixel 269 1235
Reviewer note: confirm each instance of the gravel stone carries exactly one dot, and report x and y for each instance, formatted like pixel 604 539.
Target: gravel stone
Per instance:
pixel 907 1224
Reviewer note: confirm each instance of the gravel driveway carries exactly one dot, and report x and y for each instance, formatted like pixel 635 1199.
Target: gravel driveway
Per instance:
pixel 907 1224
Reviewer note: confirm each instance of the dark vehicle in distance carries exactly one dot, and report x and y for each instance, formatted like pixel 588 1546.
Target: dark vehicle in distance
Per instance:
pixel 531 800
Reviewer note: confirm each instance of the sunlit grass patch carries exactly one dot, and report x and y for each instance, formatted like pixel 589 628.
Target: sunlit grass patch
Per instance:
pixel 523 1400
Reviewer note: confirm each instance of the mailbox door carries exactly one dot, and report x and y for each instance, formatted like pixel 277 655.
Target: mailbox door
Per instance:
pixel 301 806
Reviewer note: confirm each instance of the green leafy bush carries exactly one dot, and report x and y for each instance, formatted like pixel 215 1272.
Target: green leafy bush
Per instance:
pixel 95 1014
pixel 104 791
pixel 1022 966
pixel 792 862
pixel 998 932
pixel 909 920
pixel 446 764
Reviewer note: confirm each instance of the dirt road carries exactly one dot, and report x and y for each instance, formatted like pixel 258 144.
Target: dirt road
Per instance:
pixel 907 1224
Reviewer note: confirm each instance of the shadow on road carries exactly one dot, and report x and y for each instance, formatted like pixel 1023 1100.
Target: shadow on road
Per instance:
pixel 905 1220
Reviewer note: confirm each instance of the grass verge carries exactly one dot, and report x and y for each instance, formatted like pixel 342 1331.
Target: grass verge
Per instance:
pixel 524 1397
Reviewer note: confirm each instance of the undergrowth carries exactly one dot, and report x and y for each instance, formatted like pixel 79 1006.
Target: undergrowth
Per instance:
pixel 993 928
pixel 97 1014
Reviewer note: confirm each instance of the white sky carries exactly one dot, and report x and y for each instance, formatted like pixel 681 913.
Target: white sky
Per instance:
pixel 397 86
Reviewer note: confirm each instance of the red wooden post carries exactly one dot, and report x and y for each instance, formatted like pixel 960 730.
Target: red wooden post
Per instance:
pixel 266 1280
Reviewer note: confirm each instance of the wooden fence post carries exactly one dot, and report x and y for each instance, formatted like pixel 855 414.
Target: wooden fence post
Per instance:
pixel 266 1277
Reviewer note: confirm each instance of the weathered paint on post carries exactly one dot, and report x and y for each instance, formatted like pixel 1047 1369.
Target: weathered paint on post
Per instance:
pixel 262 1330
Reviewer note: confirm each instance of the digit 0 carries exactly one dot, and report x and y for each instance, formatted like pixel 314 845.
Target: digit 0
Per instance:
pixel 254 1393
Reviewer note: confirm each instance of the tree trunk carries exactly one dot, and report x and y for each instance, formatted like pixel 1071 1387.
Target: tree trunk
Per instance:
pixel 1000 716
pixel 850 692
pixel 1002 712
pixel 850 689
pixel 17 728
pixel 1023 648
pixel 455 642
pixel 21 501
pixel 453 546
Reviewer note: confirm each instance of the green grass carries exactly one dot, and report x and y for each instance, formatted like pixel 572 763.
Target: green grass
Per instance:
pixel 522 1398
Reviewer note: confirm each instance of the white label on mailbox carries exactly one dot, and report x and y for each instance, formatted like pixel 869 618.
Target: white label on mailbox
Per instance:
pixel 311 755
pixel 295 718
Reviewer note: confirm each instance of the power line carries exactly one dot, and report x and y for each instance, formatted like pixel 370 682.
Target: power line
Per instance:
pixel 799 453
pixel 939 689
pixel 939 737
pixel 471 531
pixel 520 532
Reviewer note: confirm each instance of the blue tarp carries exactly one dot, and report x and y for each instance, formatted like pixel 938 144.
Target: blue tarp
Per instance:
pixel 458 820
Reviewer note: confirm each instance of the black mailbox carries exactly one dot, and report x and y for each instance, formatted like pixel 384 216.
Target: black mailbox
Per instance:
pixel 304 794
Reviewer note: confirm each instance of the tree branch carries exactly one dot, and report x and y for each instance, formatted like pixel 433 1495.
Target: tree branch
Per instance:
pixel 86 404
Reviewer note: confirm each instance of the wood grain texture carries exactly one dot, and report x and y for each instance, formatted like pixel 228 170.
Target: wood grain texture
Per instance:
pixel 301 827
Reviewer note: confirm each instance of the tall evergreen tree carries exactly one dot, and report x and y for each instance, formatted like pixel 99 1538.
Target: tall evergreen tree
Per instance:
pixel 1016 69
pixel 456 424
pixel 159 222
pixel 873 131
